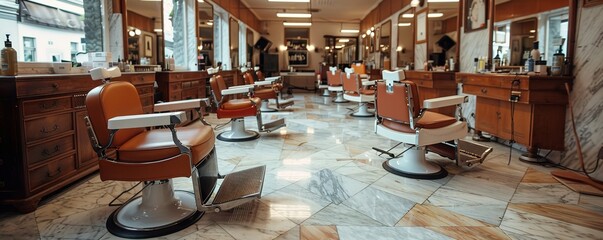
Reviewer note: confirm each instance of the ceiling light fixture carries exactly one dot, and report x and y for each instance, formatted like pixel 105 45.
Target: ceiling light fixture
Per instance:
pixel 299 1
pixel 304 24
pixel 408 15
pixel 343 40
pixel 414 3
pixel 434 15
pixel 350 30
pixel 294 15
pixel 403 24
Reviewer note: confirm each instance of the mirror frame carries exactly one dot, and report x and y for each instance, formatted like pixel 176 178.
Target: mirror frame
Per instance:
pixel 232 62
pixel 412 35
pixel 571 31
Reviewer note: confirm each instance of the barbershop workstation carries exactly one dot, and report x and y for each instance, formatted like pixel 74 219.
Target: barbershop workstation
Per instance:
pixel 300 120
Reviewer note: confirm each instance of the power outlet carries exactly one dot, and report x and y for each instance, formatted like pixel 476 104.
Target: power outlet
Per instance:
pixel 515 95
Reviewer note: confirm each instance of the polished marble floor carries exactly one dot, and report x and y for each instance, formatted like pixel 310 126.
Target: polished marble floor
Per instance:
pixel 323 181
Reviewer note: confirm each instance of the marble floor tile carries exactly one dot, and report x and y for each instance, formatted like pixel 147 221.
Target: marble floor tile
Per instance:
pixel 473 233
pixel 412 189
pixel 331 186
pixel 480 187
pixel 207 232
pixel 292 234
pixel 387 233
pixel 361 172
pixel 432 216
pixel 308 232
pixel 83 225
pixel 295 202
pixel 478 207
pixel 568 213
pixel 592 202
pixel 340 215
pixel 15 224
pixel 496 172
pixel 544 193
pixel 535 176
pixel 381 206
pixel 518 224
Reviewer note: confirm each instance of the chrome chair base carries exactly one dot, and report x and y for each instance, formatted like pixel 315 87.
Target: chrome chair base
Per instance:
pixel 238 133
pixel 413 164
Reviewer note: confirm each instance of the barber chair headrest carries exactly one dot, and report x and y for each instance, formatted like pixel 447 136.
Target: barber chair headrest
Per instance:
pixel 348 72
pixel 213 70
pixel 333 70
pixel 104 74
pixel 256 68
pixel 391 77
pixel 244 69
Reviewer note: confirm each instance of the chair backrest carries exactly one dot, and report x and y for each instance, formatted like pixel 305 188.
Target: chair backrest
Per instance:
pixel 351 81
pixel 260 75
pixel 395 104
pixel 359 68
pixel 110 100
pixel 334 77
pixel 217 85
pixel 248 78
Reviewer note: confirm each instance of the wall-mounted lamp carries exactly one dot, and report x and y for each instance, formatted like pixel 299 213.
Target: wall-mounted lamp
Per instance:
pixel 282 48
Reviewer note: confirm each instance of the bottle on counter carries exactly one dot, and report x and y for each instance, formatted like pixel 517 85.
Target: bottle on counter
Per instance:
pixel 451 64
pixel 8 57
pixel 475 65
pixel 535 53
pixel 558 61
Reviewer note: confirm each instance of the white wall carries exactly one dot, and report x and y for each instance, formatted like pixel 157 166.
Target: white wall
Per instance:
pixel 49 41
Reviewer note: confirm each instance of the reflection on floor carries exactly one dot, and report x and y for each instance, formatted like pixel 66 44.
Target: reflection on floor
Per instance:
pixel 324 182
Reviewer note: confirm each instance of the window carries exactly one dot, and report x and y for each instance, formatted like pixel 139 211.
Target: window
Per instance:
pixel 74 50
pixel 29 49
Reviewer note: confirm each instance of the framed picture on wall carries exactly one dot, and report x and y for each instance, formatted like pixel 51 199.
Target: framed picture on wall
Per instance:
pixel 297 58
pixel 475 15
pixel 421 27
pixel 148 46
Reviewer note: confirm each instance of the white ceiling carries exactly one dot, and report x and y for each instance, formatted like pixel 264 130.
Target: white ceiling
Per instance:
pixel 337 11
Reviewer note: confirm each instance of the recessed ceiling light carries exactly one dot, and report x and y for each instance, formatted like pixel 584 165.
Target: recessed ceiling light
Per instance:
pixel 294 15
pixel 434 15
pixel 408 15
pixel 297 24
pixel 403 24
pixel 343 40
pixel 350 30
pixel 288 0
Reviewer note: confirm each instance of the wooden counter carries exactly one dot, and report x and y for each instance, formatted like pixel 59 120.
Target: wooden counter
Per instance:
pixel 539 113
pixel 434 84
pixel 183 85
pixel 44 143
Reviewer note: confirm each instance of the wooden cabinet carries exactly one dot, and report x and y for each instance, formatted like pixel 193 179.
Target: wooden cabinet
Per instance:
pixel 44 143
pixel 434 84
pixel 182 85
pixel 538 116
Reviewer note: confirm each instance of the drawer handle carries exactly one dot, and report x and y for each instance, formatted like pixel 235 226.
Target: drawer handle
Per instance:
pixel 55 85
pixel 484 91
pixel 56 173
pixel 54 128
pixel 46 152
pixel 46 106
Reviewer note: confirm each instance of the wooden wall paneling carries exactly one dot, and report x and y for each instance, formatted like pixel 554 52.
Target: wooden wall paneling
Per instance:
pixel 235 8
pixel 384 10
pixel 396 5
pixel 449 25
pixel 141 22
pixel 519 8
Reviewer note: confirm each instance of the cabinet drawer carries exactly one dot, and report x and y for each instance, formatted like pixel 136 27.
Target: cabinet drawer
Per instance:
pixel 137 79
pixel 146 100
pixel 479 80
pixel 145 90
pixel 47 173
pixel 189 93
pixel 46 105
pixel 186 85
pixel 185 75
pixel 423 83
pixel 175 96
pixel 43 151
pixel 48 126
pixel 175 86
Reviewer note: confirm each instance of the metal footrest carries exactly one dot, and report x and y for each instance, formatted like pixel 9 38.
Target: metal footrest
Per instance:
pixel 470 154
pixel 285 103
pixel 274 125
pixel 239 188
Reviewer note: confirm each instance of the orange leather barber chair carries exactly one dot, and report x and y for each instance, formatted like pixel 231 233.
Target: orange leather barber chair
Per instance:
pixel 237 109
pixel 400 118
pixel 335 84
pixel 360 69
pixel 131 148
pixel 355 91
pixel 265 90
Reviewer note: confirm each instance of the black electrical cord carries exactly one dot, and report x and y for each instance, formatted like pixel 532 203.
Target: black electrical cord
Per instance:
pixel 513 100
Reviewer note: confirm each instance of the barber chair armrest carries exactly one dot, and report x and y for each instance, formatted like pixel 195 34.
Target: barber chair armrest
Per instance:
pixel 272 79
pixel 262 83
pixel 181 105
pixel 369 82
pixel 238 90
pixel 146 120
pixel 444 101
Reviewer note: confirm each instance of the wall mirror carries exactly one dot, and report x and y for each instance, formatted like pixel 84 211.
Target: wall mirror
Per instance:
pixel 366 42
pixel 174 33
pixel 233 29
pixel 205 45
pixel 340 51
pixel 250 49
pixel 385 44
pixel 516 27
pixel 143 32
pixel 442 31
pixel 406 31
